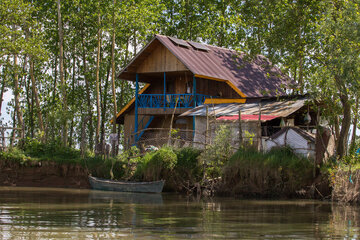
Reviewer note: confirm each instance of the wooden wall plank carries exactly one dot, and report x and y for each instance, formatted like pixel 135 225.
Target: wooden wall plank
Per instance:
pixel 160 60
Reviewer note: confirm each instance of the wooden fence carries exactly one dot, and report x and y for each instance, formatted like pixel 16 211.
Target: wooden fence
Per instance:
pixel 11 139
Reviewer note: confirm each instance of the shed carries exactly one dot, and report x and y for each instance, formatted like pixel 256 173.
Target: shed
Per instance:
pixel 291 112
pixel 302 142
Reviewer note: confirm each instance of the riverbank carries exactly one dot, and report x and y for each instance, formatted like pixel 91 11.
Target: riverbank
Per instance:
pixel 247 173
pixel 43 174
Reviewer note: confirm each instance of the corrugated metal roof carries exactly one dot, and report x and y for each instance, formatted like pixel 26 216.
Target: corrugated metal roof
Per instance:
pixel 257 78
pixel 268 108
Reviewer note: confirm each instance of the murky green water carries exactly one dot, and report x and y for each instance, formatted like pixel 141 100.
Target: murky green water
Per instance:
pixel 38 213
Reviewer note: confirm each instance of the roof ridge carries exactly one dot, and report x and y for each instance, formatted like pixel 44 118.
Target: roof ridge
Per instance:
pixel 207 44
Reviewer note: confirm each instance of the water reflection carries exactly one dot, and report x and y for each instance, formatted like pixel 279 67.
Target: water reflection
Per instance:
pixel 35 213
pixel 125 197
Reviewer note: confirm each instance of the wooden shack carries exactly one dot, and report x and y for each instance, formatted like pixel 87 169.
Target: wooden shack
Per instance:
pixel 180 75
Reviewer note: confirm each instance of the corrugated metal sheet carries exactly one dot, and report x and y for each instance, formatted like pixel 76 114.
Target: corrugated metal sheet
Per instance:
pixel 244 117
pixel 256 79
pixel 268 108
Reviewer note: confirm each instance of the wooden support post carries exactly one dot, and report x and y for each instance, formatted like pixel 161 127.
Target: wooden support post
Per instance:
pixel 240 131
pixel 171 122
pixel 207 125
pixel 194 96
pixel 136 106
pixel 259 129
pixel 164 91
pixel 194 91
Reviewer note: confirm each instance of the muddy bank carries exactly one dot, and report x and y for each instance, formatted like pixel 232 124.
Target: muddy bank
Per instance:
pixel 42 174
pixel 346 186
pixel 264 185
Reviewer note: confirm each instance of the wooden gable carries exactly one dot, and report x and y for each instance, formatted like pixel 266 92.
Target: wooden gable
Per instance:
pixel 160 60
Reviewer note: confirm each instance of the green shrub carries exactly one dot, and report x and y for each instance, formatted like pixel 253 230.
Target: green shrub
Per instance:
pixel 156 165
pixel 15 154
pixel 217 154
pixel 187 157
pixel 52 151
pixel 110 168
pixel 188 166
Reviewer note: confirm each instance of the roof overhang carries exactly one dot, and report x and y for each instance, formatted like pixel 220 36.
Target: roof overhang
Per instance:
pixel 270 109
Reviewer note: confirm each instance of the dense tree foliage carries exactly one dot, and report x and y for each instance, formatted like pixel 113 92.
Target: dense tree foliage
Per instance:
pixel 59 58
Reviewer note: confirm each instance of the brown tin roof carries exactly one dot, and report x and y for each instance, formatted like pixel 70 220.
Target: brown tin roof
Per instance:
pixel 255 78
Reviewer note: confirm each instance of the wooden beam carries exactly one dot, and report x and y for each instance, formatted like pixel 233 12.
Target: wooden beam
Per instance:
pixel 161 111
pixel 223 80
pixel 224 100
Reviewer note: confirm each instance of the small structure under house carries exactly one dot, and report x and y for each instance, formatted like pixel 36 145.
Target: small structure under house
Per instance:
pixel 266 124
pixel 179 76
pixel 258 120
pixel 301 141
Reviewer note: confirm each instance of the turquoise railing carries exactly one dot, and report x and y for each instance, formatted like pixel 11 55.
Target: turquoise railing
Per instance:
pixel 186 100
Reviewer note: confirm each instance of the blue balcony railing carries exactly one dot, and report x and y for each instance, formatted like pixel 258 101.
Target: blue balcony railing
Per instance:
pixel 186 100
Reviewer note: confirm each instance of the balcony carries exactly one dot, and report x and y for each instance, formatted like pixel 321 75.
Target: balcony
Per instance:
pixel 186 100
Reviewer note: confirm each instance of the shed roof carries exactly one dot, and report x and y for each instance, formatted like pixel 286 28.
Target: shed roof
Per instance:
pixel 255 78
pixel 269 110
pixel 308 136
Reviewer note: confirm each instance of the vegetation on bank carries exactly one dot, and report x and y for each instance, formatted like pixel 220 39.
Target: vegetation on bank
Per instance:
pixel 278 172
pixel 215 169
pixel 345 178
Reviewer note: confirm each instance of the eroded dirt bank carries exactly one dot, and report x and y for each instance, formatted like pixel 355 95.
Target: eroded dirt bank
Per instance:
pixel 42 174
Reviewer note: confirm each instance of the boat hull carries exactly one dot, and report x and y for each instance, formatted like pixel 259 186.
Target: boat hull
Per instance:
pixel 123 186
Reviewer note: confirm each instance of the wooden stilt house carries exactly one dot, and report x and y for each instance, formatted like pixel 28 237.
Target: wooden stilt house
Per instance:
pixel 180 75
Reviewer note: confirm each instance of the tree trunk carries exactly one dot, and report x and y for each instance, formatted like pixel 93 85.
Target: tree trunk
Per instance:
pixel 122 89
pixel 72 90
pixel 55 80
pixel 87 87
pixel 135 43
pixel 17 98
pixel 104 107
pixel 300 49
pixel 2 90
pixel 345 126
pixel 98 85
pixel 355 122
pixel 37 101
pixel 113 75
pixel 12 138
pixel 3 84
pixel 26 84
pixel 30 109
pixel 62 79
pixel 70 143
pixel 83 135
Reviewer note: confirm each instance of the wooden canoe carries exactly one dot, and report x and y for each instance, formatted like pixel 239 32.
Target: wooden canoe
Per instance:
pixel 124 186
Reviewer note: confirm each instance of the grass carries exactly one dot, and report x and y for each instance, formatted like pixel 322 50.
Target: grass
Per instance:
pixel 278 171
pixel 32 151
pixel 51 152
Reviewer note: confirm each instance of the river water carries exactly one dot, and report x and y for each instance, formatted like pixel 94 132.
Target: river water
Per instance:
pixel 49 213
